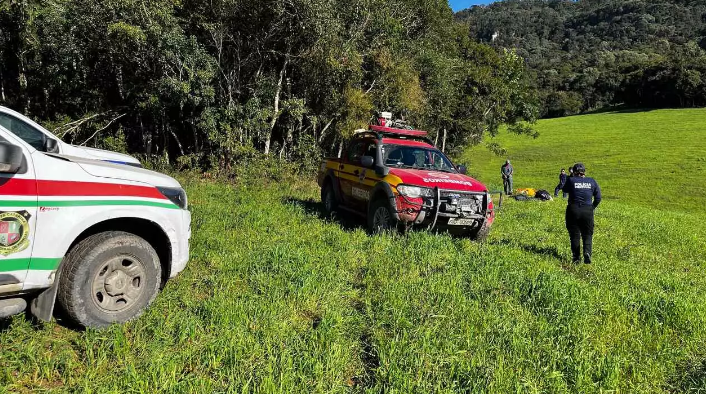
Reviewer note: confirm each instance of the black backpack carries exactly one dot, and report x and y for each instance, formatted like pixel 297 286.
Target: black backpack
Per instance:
pixel 543 195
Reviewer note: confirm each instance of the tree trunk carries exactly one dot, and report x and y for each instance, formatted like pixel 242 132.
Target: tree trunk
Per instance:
pixel 436 139
pixel 323 131
pixel 23 82
pixel 119 82
pixel 275 115
pixel 443 142
pixel 340 149
pixel 2 88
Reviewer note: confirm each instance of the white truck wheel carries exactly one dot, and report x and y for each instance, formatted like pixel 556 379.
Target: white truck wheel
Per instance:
pixel 109 277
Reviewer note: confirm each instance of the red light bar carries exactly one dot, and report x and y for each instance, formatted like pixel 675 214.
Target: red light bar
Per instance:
pixel 392 131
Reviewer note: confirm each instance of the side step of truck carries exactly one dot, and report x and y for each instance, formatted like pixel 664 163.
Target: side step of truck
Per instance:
pixel 12 306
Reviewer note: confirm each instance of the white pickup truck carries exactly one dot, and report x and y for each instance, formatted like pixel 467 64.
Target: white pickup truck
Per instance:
pixel 101 238
pixel 42 140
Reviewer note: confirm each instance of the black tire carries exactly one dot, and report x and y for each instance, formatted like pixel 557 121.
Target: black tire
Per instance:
pixel 480 234
pixel 328 199
pixel 381 218
pixel 107 278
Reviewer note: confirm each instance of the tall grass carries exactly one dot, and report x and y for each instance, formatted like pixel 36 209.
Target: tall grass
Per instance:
pixel 277 298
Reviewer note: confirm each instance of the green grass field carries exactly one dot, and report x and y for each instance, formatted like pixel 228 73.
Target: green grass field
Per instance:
pixel 654 159
pixel 278 299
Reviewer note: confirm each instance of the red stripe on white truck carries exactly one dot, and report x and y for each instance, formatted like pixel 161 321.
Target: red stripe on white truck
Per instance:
pixel 31 187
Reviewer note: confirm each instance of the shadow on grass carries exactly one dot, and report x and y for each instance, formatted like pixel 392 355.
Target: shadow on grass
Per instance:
pixel 689 378
pixel 347 221
pixel 37 325
pixel 621 109
pixel 550 251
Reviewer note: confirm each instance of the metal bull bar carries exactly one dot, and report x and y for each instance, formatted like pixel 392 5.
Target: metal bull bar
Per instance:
pixel 435 207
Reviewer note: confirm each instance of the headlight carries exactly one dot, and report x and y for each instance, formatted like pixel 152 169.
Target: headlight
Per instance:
pixel 176 195
pixel 415 191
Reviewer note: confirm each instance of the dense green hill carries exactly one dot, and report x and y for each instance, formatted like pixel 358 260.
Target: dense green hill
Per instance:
pixel 654 159
pixel 590 54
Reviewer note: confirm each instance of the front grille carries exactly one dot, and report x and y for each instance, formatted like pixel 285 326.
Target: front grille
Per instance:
pixel 462 203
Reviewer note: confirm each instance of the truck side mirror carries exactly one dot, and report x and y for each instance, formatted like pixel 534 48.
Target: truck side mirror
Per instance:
pixel 51 145
pixel 10 158
pixel 462 169
pixel 367 161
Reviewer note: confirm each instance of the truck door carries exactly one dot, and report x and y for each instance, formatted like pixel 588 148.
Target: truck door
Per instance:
pixel 18 212
pixel 349 171
pixel 367 178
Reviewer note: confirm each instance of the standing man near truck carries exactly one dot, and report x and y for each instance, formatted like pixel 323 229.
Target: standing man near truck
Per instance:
pixel 507 171
pixel 584 197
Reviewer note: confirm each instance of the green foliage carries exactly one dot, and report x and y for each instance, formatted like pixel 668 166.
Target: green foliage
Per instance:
pixel 586 55
pixel 219 81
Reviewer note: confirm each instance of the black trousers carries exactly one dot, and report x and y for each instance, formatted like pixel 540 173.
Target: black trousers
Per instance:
pixel 579 222
pixel 557 189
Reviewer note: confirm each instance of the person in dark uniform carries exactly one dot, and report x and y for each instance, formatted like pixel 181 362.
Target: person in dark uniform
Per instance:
pixel 562 181
pixel 584 197
pixel 507 171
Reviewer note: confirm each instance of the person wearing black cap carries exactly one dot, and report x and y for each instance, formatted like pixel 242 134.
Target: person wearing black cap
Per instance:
pixel 584 197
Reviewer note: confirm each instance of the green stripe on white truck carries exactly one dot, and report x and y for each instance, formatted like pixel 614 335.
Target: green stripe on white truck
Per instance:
pixel 34 263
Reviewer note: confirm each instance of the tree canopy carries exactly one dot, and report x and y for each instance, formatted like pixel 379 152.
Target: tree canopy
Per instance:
pixel 209 83
pixel 589 54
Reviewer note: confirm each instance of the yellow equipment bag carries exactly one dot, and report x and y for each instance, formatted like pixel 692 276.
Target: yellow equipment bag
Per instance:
pixel 527 192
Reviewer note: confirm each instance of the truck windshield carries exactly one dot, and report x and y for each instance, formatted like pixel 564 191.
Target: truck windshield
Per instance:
pixel 401 156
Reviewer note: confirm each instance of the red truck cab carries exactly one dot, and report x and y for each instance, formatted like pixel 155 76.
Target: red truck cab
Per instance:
pixel 398 179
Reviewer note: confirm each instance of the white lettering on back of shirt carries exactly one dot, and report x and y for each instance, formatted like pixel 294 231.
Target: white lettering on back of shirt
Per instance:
pixel 582 185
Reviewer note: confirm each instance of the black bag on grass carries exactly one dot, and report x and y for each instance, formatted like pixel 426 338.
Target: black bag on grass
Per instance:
pixel 543 195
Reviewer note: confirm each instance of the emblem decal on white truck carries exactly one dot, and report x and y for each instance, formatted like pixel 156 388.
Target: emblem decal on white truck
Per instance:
pixel 14 232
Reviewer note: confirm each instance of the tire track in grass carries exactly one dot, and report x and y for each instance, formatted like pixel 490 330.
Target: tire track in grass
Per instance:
pixel 357 272
pixel 368 353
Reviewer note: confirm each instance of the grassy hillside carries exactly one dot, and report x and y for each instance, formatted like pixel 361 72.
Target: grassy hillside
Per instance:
pixel 278 299
pixel 653 159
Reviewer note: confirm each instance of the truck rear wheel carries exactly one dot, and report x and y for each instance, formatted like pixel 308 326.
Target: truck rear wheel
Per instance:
pixel 108 278
pixel 380 217
pixel 328 199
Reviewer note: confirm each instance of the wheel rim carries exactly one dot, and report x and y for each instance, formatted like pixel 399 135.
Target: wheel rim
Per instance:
pixel 381 219
pixel 119 283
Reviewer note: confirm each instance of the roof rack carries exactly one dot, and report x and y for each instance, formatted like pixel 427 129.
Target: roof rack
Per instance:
pixel 382 131
pixel 393 131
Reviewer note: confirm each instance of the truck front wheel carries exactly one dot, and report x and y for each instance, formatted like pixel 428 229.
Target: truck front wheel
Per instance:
pixel 480 234
pixel 109 277
pixel 380 217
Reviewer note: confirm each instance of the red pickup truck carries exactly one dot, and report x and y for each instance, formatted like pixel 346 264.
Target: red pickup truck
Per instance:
pixel 399 180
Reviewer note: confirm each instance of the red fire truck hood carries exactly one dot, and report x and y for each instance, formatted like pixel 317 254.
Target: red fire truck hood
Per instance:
pixel 443 180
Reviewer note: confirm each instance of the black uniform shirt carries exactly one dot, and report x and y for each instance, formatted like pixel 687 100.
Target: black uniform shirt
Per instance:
pixel 507 169
pixel 562 179
pixel 583 191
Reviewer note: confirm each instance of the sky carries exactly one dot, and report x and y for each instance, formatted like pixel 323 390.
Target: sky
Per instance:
pixel 458 5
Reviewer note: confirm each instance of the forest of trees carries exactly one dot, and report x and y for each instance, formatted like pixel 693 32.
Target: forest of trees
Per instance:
pixel 209 83
pixel 590 54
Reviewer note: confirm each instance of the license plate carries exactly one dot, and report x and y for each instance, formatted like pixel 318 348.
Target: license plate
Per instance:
pixel 461 222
